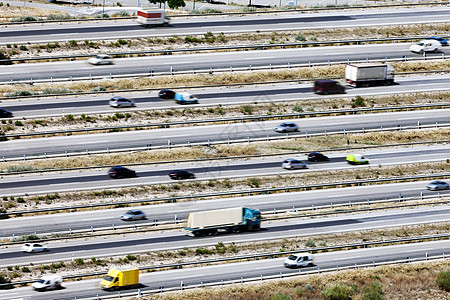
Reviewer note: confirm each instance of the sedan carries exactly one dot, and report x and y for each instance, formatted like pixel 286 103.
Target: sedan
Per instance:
pixel 444 42
pixel 316 156
pixel 100 59
pixel 33 248
pixel 286 127
pixel 181 174
pixel 5 113
pixel 292 163
pixel 438 185
pixel 166 94
pixel 121 172
pixel 121 102
pixel 133 214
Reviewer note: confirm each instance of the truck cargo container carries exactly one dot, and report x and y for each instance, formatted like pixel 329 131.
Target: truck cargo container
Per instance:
pixel 116 279
pixel 369 74
pixel 235 219
pixel 152 17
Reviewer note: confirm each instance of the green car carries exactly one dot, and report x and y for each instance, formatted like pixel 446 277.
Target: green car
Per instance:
pixel 357 159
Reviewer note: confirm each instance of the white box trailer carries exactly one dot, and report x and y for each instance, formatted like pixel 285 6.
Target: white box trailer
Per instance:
pixel 369 74
pixel 229 219
pixel 152 17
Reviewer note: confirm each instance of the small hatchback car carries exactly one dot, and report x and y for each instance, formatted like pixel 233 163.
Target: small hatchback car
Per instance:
pixel 286 127
pixel 166 94
pixel 133 214
pixel 121 172
pixel 292 163
pixel 328 87
pixel 316 156
pixel 438 185
pixel 119 102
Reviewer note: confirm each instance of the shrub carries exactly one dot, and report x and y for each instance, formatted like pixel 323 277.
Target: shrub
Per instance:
pixel 253 182
pixel 18 123
pixel 99 89
pixel 4 280
pixel 300 37
pixel 373 292
pixel 443 280
pixel 25 269
pixel 4 56
pixel 59 17
pixel 56 91
pixel 122 42
pixel 246 109
pixel 19 93
pixel 310 244
pixel 131 257
pixel 79 261
pixel 358 101
pixel 203 251
pixel 23 47
pixel 25 19
pixel 73 43
pixel 69 117
pixel 337 292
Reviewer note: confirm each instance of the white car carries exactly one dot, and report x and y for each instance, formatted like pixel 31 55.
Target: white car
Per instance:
pixel 426 46
pixel 292 163
pixel 33 248
pixel 47 282
pixel 100 59
pixel 299 260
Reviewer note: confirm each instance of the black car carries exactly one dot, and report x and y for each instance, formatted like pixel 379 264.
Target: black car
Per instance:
pixel 181 174
pixel 166 94
pixel 121 172
pixel 5 113
pixel 316 156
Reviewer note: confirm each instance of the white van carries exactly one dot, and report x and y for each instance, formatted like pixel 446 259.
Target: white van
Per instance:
pixel 47 282
pixel 299 260
pixel 426 46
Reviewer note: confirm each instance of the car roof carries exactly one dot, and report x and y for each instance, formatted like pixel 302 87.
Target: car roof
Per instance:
pixel 325 80
pixel 292 159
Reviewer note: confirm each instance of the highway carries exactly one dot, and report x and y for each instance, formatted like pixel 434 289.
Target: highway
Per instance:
pixel 205 61
pixel 107 246
pixel 60 222
pixel 98 104
pixel 22 34
pixel 212 133
pixel 43 183
pixel 234 271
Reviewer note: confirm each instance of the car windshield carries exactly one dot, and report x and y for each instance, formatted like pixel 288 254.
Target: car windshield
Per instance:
pixel 420 44
pixel 109 278
pixel 292 257
pixel 41 281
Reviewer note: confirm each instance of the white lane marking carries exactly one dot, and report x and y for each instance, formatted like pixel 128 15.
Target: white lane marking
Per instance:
pixel 413 118
pixel 262 268
pixel 196 275
pixel 335 196
pixel 266 57
pixel 345 258
pixel 181 62
pixel 340 123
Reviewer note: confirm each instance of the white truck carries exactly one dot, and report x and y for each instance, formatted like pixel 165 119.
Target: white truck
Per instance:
pixel 230 220
pixel 47 282
pixel 152 17
pixel 369 74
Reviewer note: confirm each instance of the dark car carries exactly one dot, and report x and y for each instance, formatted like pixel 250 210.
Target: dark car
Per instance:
pixel 181 174
pixel 316 156
pixel 166 94
pixel 444 42
pixel 328 87
pixel 121 172
pixel 5 113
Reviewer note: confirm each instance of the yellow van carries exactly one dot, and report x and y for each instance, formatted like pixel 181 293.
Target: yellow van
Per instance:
pixel 356 159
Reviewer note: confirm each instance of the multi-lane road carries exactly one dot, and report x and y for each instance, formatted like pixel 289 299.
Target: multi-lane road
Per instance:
pixel 36 183
pixel 205 61
pixel 60 106
pixel 234 271
pixel 215 133
pixel 230 24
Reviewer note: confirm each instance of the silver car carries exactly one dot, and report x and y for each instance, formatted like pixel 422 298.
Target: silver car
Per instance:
pixel 438 185
pixel 292 163
pixel 133 214
pixel 286 127
pixel 121 102
pixel 100 59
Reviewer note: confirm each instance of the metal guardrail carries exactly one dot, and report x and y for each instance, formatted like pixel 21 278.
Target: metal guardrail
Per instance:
pixel 169 145
pixel 287 10
pixel 221 48
pixel 210 71
pixel 227 120
pixel 294 210
pixel 265 255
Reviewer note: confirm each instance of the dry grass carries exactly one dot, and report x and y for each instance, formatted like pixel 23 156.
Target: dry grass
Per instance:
pixel 272 147
pixel 183 42
pixel 202 113
pixel 223 78
pixel 226 250
pixel 9 12
pixel 218 185
pixel 411 281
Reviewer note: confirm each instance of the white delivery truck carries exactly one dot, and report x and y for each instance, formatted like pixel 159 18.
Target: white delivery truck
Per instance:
pixel 152 17
pixel 369 74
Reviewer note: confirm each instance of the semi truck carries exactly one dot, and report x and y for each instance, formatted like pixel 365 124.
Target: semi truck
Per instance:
pixel 152 17
pixel 229 220
pixel 117 279
pixel 368 74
